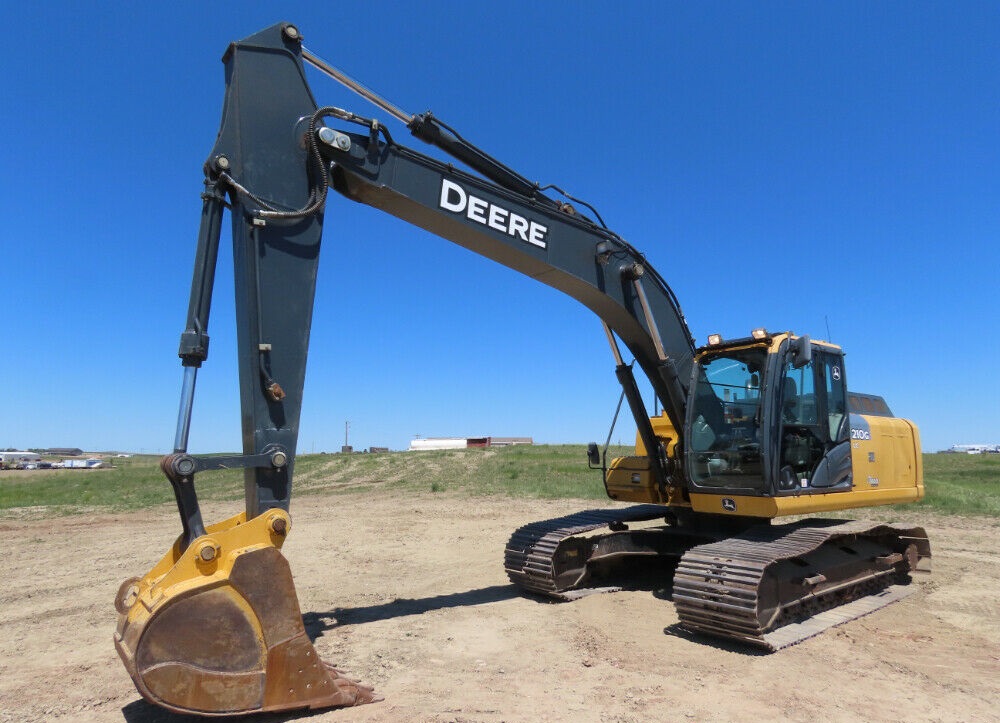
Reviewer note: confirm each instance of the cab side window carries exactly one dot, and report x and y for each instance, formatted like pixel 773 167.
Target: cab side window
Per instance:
pixel 836 396
pixel 799 396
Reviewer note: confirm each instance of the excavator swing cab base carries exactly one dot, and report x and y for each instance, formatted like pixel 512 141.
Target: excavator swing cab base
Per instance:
pixel 215 629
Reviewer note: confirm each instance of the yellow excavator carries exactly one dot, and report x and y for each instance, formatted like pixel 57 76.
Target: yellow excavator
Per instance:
pixel 751 429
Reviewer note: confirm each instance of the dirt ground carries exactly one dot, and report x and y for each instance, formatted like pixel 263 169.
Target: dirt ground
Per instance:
pixel 410 596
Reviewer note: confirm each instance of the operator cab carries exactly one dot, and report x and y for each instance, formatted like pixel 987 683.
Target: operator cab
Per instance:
pixel 767 416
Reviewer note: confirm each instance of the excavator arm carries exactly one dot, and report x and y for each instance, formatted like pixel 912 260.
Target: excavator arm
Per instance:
pixel 215 627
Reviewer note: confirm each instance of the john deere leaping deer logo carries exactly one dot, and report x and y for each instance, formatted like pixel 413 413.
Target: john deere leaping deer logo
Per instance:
pixel 729 504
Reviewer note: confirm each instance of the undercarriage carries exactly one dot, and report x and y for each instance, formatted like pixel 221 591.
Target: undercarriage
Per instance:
pixel 769 585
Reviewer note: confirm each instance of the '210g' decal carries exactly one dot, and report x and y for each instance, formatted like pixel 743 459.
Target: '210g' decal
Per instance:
pixel 860 434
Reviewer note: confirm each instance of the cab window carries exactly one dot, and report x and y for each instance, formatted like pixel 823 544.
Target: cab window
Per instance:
pixel 836 396
pixel 799 395
pixel 724 444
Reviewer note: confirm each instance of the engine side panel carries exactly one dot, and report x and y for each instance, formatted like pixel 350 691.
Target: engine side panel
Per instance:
pixel 885 454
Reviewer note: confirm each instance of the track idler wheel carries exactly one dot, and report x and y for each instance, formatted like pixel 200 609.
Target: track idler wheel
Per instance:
pixel 216 629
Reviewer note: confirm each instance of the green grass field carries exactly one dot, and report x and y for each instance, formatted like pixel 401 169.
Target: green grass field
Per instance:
pixel 956 484
pixel 962 484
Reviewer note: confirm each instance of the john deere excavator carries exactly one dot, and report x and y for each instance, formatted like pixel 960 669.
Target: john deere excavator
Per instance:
pixel 751 429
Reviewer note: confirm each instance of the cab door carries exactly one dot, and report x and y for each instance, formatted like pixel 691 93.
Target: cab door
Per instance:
pixel 814 453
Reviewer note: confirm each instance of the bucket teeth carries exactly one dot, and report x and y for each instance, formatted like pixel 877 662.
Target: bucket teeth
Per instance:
pixel 228 639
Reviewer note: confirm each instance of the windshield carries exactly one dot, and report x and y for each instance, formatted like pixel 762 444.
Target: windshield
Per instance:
pixel 724 445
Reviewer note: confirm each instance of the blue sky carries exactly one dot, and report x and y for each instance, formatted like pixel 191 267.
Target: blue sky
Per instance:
pixel 791 165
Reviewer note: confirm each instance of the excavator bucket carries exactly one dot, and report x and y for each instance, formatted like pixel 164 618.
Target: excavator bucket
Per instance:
pixel 215 629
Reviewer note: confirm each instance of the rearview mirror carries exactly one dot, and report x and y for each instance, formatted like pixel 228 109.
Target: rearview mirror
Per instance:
pixel 593 455
pixel 801 350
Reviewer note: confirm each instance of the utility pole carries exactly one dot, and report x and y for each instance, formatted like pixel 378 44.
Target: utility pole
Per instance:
pixel 346 449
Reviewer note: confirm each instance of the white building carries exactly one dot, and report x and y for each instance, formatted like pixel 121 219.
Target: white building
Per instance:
pixel 975 448
pixel 14 458
pixel 465 442
pixel 438 443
